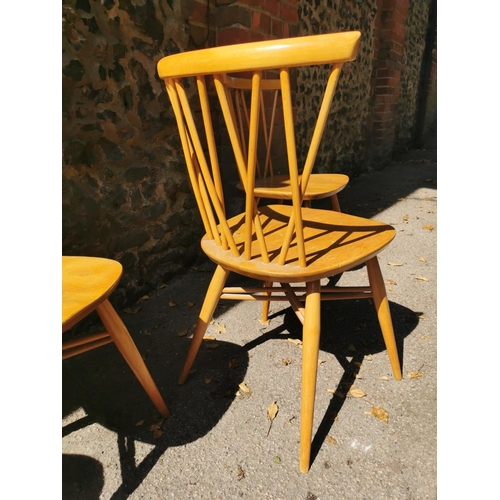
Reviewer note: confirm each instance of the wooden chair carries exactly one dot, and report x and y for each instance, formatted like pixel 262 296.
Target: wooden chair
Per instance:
pixel 285 244
pixel 87 282
pixel 267 184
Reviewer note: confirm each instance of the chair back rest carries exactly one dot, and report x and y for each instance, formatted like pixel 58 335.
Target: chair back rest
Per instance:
pixel 214 66
pixel 241 92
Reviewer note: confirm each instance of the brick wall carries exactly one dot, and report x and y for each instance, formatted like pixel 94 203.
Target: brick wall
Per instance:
pixel 125 191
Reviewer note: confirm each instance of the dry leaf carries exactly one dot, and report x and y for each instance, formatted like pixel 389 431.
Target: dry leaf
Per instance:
pixel 190 304
pixel 295 341
pixel 383 377
pixel 244 387
pixel 157 433
pixel 183 333
pixel 321 361
pixel 208 337
pixel 428 227
pixel 422 259
pixel 380 413
pixel 369 357
pixel 172 303
pixel 272 411
pixel 421 278
pixel 331 440
pixel 394 264
pixel 212 345
pixel 405 218
pixel 414 374
pixel 208 380
pixel 286 361
pixel 391 282
pixel 220 328
pixel 135 310
pixel 425 337
pixel 139 423
pixel 241 473
pixel 354 392
pixel 336 393
pixel 143 298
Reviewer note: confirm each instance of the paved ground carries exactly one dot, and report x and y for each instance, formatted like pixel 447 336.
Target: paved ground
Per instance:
pixel 216 444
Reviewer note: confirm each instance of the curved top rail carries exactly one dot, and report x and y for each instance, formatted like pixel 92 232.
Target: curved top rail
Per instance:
pixel 270 54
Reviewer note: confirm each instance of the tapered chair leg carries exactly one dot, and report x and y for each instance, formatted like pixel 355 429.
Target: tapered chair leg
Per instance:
pixel 384 314
pixel 265 305
pixel 334 201
pixel 207 310
pixel 123 341
pixel 310 350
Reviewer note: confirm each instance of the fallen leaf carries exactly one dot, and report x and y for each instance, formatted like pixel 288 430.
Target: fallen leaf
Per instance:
pixel 190 304
pixel 135 310
pixel 208 337
pixel 336 393
pixel 286 361
pixel 414 374
pixel 369 357
pixel 139 423
pixel 220 328
pixel 358 376
pixel 421 278
pixel 384 377
pixel 295 341
pixel 172 303
pixel 391 282
pixel 143 298
pixel 428 227
pixel 244 387
pixel 208 380
pixel 183 333
pixel 380 413
pixel 422 259
pixel 394 264
pixel 331 440
pixel 241 473
pixel 212 345
pixel 157 433
pixel 272 411
pixel 425 337
pixel 354 392
pixel 321 361
pixel 405 218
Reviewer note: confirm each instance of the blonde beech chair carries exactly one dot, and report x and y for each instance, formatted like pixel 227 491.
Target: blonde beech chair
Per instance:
pixel 292 245
pixel 267 184
pixel 87 282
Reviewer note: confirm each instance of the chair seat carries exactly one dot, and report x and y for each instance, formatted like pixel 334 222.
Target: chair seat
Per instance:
pixel 279 186
pixel 334 242
pixel 86 281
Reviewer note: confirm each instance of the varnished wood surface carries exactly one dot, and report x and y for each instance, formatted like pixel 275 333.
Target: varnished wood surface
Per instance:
pixel 86 281
pixel 270 54
pixel 334 242
pixel 319 186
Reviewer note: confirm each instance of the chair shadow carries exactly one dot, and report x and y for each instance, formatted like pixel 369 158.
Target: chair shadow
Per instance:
pixel 83 477
pixel 100 383
pixel 350 331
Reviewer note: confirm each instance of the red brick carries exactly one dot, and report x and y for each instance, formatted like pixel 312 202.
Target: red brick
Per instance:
pixel 273 7
pixel 277 28
pixel 289 13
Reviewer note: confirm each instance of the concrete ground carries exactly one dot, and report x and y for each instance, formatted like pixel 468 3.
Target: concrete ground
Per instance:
pixel 218 442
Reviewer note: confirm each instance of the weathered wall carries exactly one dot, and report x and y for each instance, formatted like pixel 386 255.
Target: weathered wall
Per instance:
pixel 125 190
pixel 344 146
pixel 413 50
pixel 126 193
